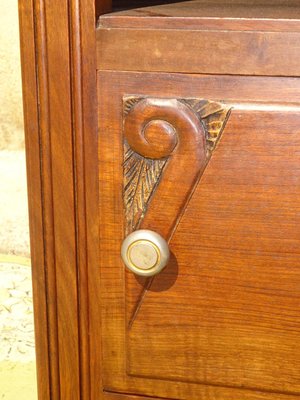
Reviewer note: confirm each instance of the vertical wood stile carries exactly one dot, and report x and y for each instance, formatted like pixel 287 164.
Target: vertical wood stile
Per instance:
pixel 58 61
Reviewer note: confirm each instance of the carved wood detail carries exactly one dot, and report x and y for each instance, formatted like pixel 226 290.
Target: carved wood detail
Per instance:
pixel 158 130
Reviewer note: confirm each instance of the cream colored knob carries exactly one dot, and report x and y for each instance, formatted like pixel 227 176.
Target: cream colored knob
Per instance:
pixel 145 252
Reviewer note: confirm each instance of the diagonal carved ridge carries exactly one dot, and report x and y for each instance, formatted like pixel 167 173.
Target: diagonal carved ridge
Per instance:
pixel 144 166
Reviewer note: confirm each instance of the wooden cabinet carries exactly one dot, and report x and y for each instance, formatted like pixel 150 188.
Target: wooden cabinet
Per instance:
pixel 221 320
pixel 190 127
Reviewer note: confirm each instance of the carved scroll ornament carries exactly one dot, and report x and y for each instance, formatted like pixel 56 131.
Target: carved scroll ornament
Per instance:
pixel 167 144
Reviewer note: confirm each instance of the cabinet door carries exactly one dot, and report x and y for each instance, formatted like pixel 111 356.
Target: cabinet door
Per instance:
pixel 213 165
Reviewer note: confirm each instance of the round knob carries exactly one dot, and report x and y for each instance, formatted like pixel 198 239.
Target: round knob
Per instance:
pixel 145 252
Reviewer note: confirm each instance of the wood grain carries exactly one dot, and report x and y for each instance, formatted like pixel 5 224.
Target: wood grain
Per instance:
pixel 31 122
pixel 60 134
pixel 153 131
pixel 234 15
pixel 214 52
pixel 248 319
pixel 167 136
pixel 231 316
pixel 222 321
pixel 120 396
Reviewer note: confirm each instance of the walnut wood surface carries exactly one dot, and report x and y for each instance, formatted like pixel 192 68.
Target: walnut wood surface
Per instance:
pixel 222 321
pixel 216 9
pixel 165 135
pixel 234 269
pixel 213 51
pixel 120 396
pixel 195 14
pixel 208 320
pixel 154 148
pixel 61 139
pixel 199 37
pixel 31 122
pixel 177 134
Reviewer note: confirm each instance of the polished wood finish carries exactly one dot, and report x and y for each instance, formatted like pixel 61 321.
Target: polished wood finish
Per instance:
pixel 221 319
pixel 221 322
pixel 162 137
pixel 193 37
pixel 241 15
pixel 59 82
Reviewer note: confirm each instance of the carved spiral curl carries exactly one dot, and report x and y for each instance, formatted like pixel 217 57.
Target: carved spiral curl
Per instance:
pixel 154 127
pixel 160 191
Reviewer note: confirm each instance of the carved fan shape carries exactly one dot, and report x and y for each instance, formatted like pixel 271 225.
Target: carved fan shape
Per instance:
pixel 141 175
pixel 214 116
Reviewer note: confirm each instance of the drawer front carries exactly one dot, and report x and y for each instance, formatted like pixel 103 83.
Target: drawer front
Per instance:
pixel 199 51
pixel 212 165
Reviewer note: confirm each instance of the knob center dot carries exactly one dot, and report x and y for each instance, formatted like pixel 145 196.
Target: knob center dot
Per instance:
pixel 143 255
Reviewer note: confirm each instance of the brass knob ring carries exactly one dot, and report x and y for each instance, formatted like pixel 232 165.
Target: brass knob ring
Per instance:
pixel 145 252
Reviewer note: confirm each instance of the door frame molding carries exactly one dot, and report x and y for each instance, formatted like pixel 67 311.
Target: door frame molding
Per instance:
pixel 58 56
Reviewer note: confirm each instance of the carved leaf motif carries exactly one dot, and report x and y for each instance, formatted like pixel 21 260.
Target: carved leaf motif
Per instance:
pixel 141 175
pixel 129 103
pixel 214 116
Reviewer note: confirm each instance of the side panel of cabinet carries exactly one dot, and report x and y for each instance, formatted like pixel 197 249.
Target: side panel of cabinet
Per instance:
pixel 59 78
pixel 222 319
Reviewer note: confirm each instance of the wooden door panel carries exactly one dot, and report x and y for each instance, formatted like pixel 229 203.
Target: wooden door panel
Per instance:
pixel 222 320
pixel 231 315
